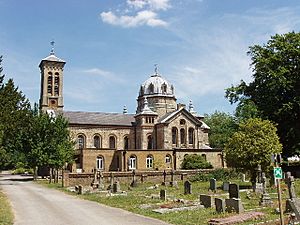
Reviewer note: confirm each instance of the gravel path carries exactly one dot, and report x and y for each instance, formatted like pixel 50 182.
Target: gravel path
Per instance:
pixel 37 205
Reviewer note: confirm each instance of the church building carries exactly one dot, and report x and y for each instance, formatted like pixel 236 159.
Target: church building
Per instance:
pixel 157 137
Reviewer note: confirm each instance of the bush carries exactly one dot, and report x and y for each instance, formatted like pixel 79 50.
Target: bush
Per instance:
pixel 195 162
pixel 22 171
pixel 219 174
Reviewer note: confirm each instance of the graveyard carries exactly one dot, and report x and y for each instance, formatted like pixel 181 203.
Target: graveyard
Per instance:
pixel 192 201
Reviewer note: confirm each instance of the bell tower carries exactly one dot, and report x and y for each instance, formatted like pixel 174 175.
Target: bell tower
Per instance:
pixel 51 96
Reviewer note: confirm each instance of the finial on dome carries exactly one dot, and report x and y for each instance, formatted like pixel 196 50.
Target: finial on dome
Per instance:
pixel 156 69
pixel 52 48
pixel 124 109
pixel 191 107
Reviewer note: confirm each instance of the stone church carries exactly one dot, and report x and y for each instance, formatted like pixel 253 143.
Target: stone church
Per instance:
pixel 157 137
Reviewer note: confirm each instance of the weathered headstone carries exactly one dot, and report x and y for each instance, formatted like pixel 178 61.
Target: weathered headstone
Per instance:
pixel 163 195
pixel 187 188
pixel 289 180
pixel 101 182
pixel 243 177
pixel 226 186
pixel 265 199
pixel 172 178
pixel 207 201
pixel 110 187
pixel 220 205
pixel 234 204
pixel 80 189
pixel 213 184
pixel 133 183
pixel 95 180
pixel 116 187
pixel 234 191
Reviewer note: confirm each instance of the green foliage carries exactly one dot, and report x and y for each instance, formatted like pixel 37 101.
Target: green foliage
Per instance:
pixel 15 116
pixel 6 212
pixel 222 174
pixel 254 143
pixel 275 90
pixel 195 162
pixel 222 126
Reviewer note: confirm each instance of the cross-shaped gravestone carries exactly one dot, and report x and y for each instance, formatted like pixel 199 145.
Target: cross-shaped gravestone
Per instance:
pixel 289 180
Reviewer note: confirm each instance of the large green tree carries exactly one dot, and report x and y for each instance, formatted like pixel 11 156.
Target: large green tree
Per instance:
pixel 254 143
pixel 275 90
pixel 15 116
pixel 222 126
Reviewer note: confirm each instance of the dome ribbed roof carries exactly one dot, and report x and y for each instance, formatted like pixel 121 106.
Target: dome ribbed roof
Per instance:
pixel 156 85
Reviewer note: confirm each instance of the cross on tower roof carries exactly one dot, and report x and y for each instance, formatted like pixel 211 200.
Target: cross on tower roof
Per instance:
pixel 52 48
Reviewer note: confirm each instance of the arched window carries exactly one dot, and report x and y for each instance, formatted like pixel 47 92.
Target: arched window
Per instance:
pixel 49 90
pixel 97 141
pixel 174 136
pixel 112 142
pixel 191 136
pixel 168 159
pixel 132 162
pixel 126 143
pixel 182 136
pixel 81 141
pixel 151 88
pixel 164 88
pixel 204 156
pixel 100 163
pixel 56 85
pixel 149 161
pixel 150 142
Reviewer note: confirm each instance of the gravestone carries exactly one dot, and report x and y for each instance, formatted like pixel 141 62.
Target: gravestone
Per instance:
pixel 289 180
pixel 243 177
pixel 220 205
pixel 225 186
pixel 213 184
pixel 172 178
pixel 133 183
pixel 207 201
pixel 80 189
pixel 164 177
pixel 234 191
pixel 187 188
pixel 234 205
pixel 163 195
pixel 143 178
pixel 258 187
pixel 95 180
pixel 293 203
pixel 110 187
pixel 101 181
pixel 265 199
pixel 116 187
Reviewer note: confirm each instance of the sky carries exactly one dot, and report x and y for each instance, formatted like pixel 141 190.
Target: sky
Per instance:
pixel 111 46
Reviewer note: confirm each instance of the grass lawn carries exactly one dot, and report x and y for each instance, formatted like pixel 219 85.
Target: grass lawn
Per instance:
pixel 6 214
pixel 141 195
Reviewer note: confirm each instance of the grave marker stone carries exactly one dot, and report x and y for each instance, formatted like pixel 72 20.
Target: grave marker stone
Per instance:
pixel 220 205
pixel 133 183
pixel 289 180
pixel 80 189
pixel 187 188
pixel 207 201
pixel 163 195
pixel 226 186
pixel 234 191
pixel 101 182
pixel 234 204
pixel 213 184
pixel 116 187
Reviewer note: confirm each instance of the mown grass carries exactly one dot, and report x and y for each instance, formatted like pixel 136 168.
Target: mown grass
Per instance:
pixel 141 195
pixel 6 214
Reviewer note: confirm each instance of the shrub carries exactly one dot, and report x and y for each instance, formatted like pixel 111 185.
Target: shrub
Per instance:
pixel 219 174
pixel 195 162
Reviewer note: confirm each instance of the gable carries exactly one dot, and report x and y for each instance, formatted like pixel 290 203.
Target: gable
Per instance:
pixel 180 114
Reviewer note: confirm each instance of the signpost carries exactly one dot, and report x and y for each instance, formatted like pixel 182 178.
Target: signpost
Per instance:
pixel 278 176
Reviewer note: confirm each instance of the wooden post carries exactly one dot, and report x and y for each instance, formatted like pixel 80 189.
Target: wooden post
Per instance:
pixel 279 201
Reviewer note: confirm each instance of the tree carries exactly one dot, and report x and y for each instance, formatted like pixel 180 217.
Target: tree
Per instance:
pixel 253 144
pixel 222 126
pixel 15 116
pixel 195 162
pixel 50 142
pixel 275 90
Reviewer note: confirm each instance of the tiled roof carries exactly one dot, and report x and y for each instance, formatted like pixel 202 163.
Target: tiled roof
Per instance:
pixel 99 118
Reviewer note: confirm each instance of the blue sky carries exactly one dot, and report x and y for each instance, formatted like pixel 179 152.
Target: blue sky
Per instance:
pixel 111 46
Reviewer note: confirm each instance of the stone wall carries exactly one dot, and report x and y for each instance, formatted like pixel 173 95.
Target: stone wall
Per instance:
pixel 86 179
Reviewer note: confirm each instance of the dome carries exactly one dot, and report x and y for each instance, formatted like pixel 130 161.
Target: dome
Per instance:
pixel 156 85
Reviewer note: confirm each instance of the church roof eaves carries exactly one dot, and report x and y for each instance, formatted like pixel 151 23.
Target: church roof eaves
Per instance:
pixel 99 118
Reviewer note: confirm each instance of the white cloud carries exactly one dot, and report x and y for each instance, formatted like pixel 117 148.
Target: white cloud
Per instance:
pixel 144 17
pixel 137 13
pixel 107 75
pixel 152 4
